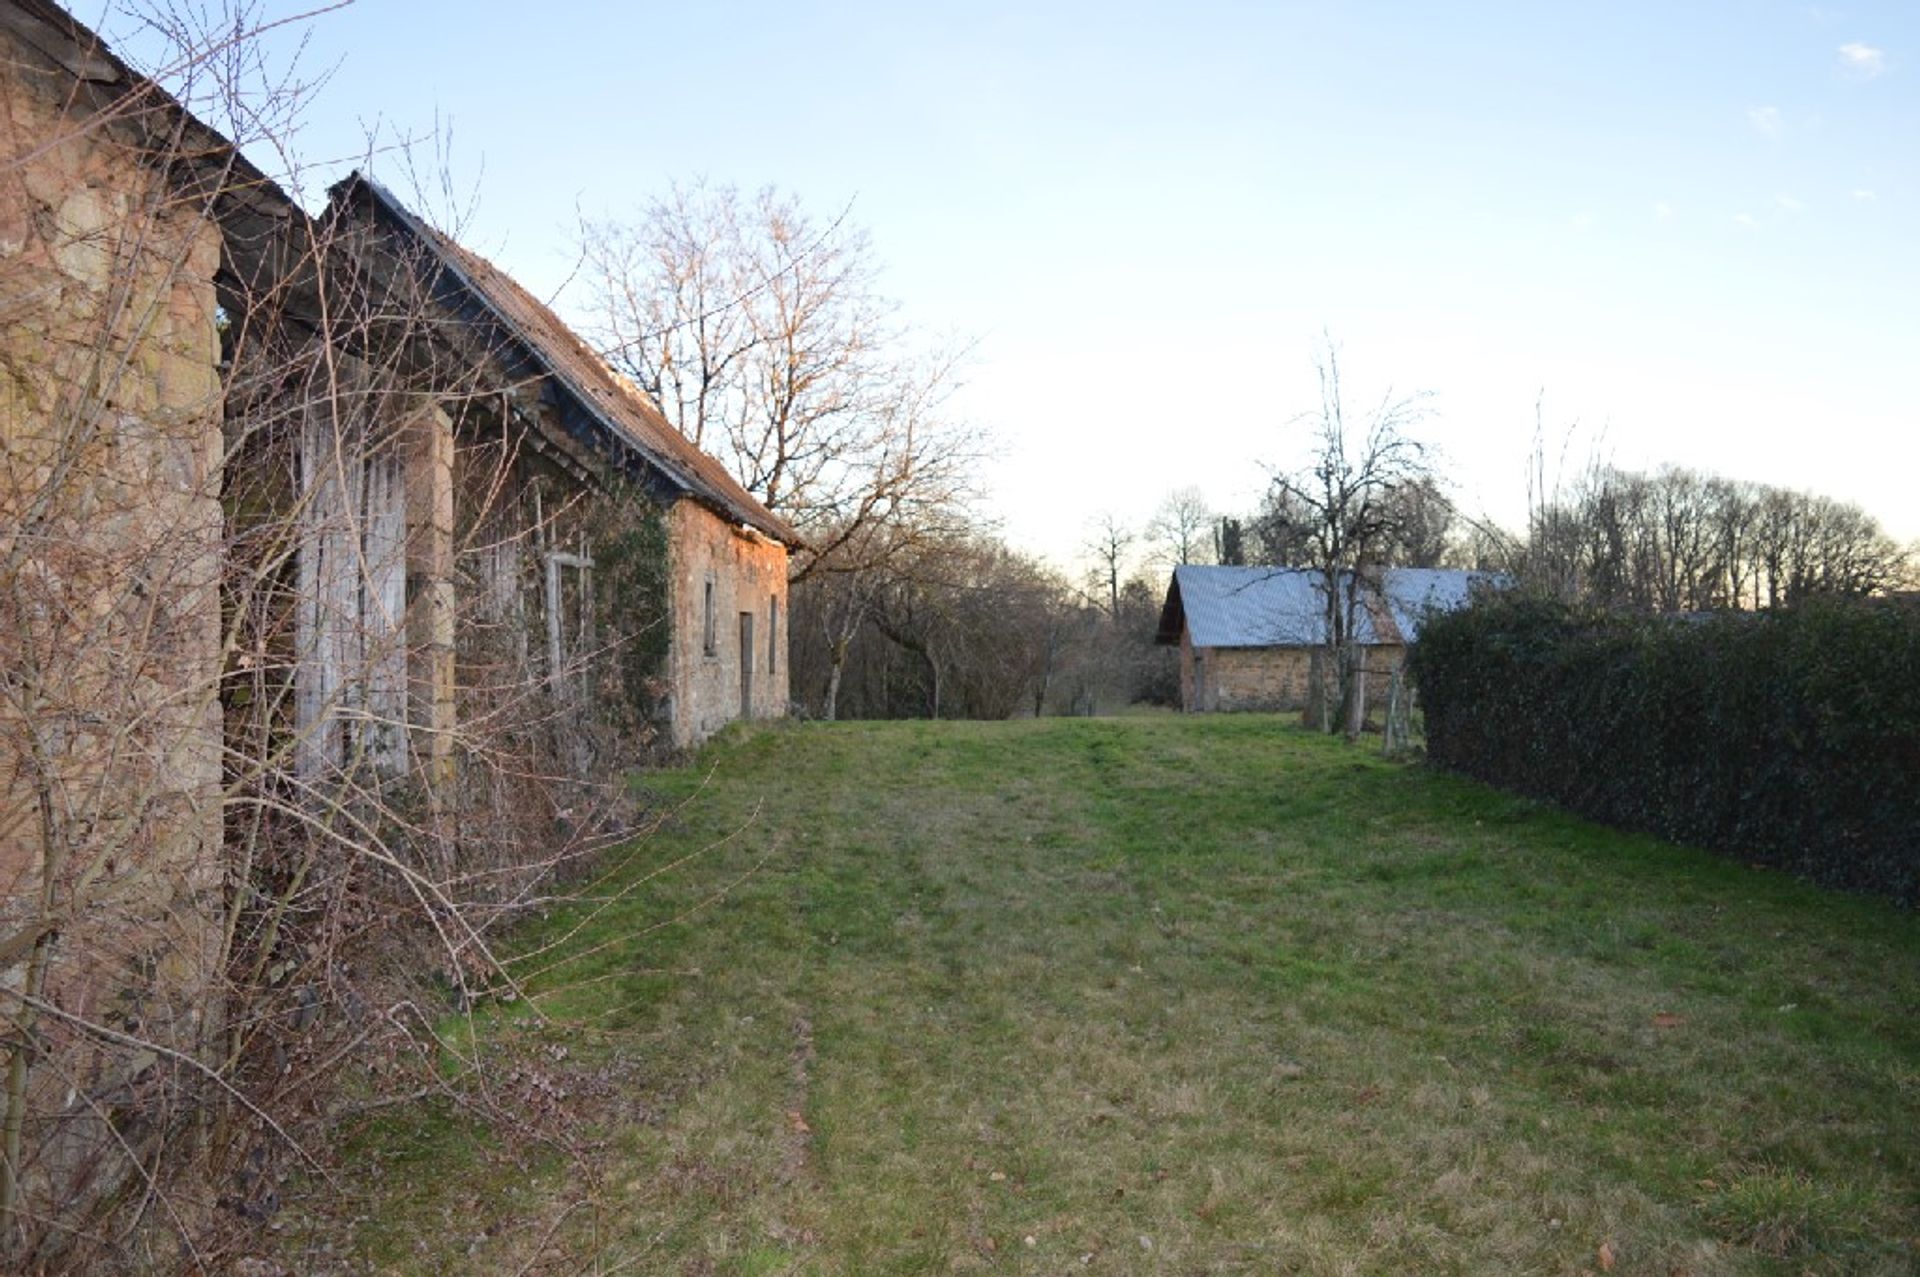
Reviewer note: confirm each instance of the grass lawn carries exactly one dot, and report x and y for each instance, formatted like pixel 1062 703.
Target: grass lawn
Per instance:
pixel 1167 994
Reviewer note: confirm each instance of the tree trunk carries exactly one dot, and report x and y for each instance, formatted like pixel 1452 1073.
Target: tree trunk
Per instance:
pixel 1353 692
pixel 1046 677
pixel 1314 715
pixel 831 703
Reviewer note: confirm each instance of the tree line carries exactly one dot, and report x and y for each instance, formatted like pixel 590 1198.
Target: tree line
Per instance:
pixel 764 335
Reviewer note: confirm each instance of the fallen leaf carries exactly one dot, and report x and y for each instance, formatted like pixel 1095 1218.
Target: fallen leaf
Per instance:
pixel 1668 1020
pixel 1606 1257
pixel 798 1122
pixel 996 1176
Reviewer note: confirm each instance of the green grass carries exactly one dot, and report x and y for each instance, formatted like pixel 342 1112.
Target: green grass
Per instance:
pixel 1168 994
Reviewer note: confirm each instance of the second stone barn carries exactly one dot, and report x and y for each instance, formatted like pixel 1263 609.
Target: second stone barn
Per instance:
pixel 1249 636
pixel 546 520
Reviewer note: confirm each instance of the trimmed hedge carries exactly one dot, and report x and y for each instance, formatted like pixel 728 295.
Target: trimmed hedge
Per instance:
pixel 1788 738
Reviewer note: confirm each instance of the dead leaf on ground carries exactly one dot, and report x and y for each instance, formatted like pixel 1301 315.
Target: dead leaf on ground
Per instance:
pixel 797 1122
pixel 1606 1257
pixel 1668 1020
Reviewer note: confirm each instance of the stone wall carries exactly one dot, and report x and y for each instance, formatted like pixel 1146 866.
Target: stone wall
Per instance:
pixel 1266 678
pixel 721 574
pixel 1256 678
pixel 110 631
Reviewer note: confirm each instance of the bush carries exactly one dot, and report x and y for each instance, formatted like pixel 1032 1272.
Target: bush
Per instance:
pixel 1788 738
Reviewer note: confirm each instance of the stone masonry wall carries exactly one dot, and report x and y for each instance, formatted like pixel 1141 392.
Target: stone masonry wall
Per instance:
pixel 1268 678
pixel 742 574
pixel 110 634
pixel 1273 678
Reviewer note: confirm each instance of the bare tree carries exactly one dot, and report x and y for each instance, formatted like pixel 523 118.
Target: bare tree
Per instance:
pixel 1108 545
pixel 964 627
pixel 763 336
pixel 260 497
pixel 1182 529
pixel 1421 520
pixel 912 487
pixel 1676 540
pixel 1345 499
pixel 1280 533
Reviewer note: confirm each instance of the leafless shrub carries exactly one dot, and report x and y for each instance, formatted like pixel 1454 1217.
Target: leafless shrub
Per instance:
pixel 322 658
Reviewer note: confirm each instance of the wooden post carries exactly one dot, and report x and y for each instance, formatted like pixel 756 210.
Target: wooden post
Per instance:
pixel 1394 736
pixel 1356 705
pixel 430 665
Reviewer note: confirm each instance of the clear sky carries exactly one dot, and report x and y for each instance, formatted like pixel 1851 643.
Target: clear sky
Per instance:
pixel 1693 227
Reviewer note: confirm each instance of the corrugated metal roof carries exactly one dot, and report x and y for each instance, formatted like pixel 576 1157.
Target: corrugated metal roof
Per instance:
pixel 1252 606
pixel 1412 593
pixel 1286 607
pixel 627 413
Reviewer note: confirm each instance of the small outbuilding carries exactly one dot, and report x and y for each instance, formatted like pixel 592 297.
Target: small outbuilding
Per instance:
pixel 1248 635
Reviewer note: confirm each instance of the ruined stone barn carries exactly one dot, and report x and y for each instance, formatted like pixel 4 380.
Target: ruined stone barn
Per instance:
pixel 119 213
pixel 297 515
pixel 1249 636
pixel 552 462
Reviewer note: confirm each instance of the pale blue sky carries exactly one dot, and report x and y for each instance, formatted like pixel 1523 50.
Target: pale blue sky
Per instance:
pixel 1692 225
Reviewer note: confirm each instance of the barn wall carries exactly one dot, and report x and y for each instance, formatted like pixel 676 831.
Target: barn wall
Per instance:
pixel 1268 678
pixel 746 574
pixel 1271 678
pixel 1189 674
pixel 110 527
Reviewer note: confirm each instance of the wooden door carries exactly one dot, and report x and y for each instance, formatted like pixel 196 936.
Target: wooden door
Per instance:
pixel 746 665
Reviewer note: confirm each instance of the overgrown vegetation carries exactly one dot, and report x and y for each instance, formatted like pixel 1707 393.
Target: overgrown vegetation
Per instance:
pixel 1789 737
pixel 1172 994
pixel 304 688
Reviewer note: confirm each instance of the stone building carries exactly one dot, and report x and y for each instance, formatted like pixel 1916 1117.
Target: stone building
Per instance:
pixel 288 505
pixel 1249 636
pixel 503 367
pixel 117 213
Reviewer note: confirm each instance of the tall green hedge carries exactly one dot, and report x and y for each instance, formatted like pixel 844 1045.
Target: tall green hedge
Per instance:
pixel 1789 738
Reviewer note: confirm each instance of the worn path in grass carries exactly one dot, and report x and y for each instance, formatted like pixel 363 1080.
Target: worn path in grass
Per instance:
pixel 1188 995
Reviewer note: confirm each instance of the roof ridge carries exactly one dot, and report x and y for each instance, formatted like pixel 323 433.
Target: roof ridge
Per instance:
pixel 622 407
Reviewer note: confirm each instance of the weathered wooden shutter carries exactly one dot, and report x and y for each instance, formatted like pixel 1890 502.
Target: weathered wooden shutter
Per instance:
pixel 350 694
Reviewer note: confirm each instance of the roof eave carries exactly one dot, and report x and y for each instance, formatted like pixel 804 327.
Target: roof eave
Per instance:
pixel 608 435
